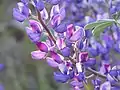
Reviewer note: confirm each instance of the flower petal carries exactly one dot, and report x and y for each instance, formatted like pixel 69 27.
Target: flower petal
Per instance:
pixel 62 13
pixel 18 16
pixel 83 57
pixel 70 30
pixel 33 35
pixel 65 51
pixel 42 46
pixel 90 62
pixel 44 14
pixel 76 83
pixel 56 57
pixel 38 54
pixel 55 21
pixel 105 86
pixel 53 2
pixel 79 67
pixel 40 5
pixel 60 77
pixel 60 43
pixel 55 10
pixel 52 62
pixel 35 25
pixel 61 28
pixel 78 34
pixel 81 77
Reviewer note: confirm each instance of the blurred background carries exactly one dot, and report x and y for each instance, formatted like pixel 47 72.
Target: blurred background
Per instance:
pixel 20 72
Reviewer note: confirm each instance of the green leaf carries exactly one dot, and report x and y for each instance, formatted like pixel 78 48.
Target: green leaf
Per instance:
pixel 94 24
pixel 100 28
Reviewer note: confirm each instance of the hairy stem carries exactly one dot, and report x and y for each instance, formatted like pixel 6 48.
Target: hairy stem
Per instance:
pixel 45 27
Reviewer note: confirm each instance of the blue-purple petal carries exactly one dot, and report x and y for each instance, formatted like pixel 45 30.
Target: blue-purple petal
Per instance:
pixel 65 51
pixel 18 16
pixel 34 36
pixel 78 34
pixel 60 77
pixel 61 28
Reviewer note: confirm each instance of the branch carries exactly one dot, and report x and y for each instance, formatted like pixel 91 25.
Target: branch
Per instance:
pixel 45 27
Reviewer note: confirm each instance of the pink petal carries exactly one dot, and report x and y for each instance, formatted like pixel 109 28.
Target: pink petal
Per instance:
pixel 70 30
pixel 35 25
pixel 78 34
pixel 52 62
pixel 42 46
pixel 60 43
pixel 83 57
pixel 38 54
pixel 56 57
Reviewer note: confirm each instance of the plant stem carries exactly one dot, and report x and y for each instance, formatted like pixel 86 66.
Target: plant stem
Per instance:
pixel 45 27
pixel 96 73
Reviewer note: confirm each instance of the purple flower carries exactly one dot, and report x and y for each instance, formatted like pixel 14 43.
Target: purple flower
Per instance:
pixel 65 51
pixel 56 57
pixel 90 62
pixel 22 12
pixel 60 77
pixel 25 1
pixel 53 2
pixel 38 55
pixel 51 62
pixel 70 30
pixel 61 28
pixel 34 36
pixel 80 45
pixel 78 34
pixel 42 46
pixel 93 52
pixel 105 86
pixel 76 83
pixel 81 77
pixel 39 5
pixel 96 83
pixel 88 33
pixel 83 57
pixel 36 26
pixel 60 43
pixel 57 14
pixel 113 73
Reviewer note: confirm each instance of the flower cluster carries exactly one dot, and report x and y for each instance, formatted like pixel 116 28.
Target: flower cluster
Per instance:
pixel 71 47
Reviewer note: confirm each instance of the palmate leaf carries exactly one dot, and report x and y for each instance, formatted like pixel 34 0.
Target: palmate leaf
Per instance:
pixel 100 28
pixel 92 25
